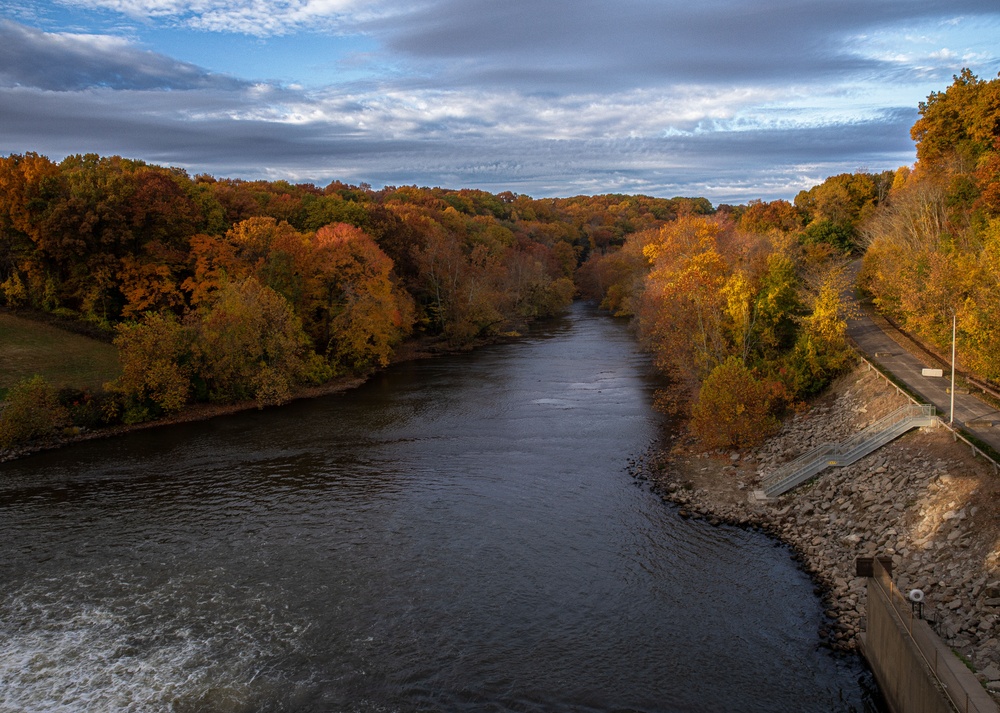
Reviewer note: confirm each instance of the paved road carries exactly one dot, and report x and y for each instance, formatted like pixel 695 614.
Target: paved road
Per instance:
pixel 881 349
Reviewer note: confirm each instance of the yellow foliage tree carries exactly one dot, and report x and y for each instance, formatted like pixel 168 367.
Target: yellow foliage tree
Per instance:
pixel 249 344
pixel 822 350
pixel 734 408
pixel 155 356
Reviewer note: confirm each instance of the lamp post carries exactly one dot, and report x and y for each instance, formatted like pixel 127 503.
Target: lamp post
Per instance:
pixel 951 419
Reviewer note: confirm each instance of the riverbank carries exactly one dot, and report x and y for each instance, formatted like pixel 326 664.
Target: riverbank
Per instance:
pixel 418 348
pixel 924 500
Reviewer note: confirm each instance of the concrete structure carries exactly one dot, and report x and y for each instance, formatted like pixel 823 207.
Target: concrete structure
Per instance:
pixel 916 671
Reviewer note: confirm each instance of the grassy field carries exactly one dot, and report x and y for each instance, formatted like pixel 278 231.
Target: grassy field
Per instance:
pixel 63 359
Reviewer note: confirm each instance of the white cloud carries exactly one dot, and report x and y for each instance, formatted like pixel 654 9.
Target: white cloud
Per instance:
pixel 731 99
pixel 945 55
pixel 253 17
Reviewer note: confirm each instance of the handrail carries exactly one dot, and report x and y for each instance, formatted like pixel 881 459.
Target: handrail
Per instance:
pixel 803 460
pixel 857 446
pixel 956 431
pixel 897 416
pixel 855 449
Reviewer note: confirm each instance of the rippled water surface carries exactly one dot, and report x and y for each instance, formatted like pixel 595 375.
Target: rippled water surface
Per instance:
pixel 459 534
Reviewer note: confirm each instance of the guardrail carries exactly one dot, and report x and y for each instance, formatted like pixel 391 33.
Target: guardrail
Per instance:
pixel 984 385
pixel 955 431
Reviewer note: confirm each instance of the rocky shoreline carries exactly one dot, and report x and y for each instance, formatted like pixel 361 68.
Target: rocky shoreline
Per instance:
pixel 924 500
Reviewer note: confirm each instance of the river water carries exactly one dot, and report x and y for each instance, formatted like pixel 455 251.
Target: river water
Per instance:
pixel 458 534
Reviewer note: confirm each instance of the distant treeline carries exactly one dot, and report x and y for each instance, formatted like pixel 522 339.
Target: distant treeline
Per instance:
pixel 222 290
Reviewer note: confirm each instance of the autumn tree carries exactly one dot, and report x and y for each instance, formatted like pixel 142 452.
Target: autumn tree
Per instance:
pixel 761 217
pixel 145 286
pixel 615 278
pixel 682 310
pixel 249 344
pixel 821 351
pixel 155 353
pixel 836 209
pixel 358 314
pixel 957 126
pixel 931 247
pixel 980 337
pixel 734 409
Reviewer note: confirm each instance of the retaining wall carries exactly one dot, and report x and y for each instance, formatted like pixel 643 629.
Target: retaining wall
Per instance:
pixel 916 672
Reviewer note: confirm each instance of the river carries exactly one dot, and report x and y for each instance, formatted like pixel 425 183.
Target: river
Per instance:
pixel 458 534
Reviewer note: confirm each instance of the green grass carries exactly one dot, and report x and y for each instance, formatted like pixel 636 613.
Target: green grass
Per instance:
pixel 61 358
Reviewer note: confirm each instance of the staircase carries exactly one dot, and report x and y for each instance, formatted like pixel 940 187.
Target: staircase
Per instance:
pixel 850 451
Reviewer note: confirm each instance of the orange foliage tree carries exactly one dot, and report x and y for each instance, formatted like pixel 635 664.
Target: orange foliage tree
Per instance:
pixel 358 314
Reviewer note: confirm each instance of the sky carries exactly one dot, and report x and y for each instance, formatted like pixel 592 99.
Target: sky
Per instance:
pixel 731 100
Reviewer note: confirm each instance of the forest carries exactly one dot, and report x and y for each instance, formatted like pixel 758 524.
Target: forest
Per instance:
pixel 217 290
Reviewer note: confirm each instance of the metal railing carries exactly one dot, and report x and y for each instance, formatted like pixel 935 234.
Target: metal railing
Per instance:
pixel 956 430
pixel 887 422
pixel 956 680
pixel 856 447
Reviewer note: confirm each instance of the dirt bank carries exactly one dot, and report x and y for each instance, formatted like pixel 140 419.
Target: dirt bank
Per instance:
pixel 925 500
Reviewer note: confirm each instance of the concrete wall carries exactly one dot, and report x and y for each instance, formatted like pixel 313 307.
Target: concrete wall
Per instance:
pixel 906 682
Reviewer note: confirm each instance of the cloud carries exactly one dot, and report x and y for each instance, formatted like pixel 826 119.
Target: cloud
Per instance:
pixel 259 18
pixel 726 99
pixel 64 61
pixel 580 45
pixel 228 134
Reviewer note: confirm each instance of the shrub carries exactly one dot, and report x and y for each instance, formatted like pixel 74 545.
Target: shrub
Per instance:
pixel 734 408
pixel 826 231
pixel 32 411
pixel 82 406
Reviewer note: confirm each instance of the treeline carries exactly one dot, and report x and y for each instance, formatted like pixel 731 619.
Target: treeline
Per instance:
pixel 743 310
pixel 933 251
pixel 222 290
